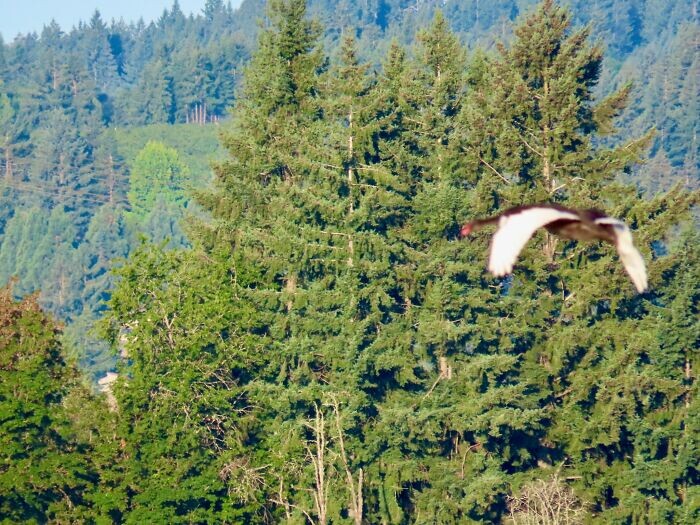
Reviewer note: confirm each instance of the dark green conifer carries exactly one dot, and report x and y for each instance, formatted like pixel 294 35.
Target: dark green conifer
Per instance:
pixel 45 470
pixel 183 417
pixel 566 316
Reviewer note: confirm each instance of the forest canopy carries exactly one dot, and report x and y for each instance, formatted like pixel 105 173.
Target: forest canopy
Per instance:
pixel 78 106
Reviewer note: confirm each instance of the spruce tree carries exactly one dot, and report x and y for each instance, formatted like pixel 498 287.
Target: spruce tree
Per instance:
pixel 528 134
pixel 256 211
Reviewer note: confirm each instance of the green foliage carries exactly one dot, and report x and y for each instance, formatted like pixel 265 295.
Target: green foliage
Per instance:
pixel 182 412
pixel 33 238
pixel 387 379
pixel 156 193
pixel 157 175
pixel 325 350
pixel 64 93
pixel 45 471
pixel 196 146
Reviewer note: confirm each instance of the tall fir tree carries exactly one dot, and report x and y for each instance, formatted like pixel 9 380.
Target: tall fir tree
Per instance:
pixel 534 141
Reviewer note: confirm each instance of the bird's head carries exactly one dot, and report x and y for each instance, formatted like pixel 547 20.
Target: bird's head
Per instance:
pixel 466 229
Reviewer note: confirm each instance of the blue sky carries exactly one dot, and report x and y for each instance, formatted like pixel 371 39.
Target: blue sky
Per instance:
pixel 24 16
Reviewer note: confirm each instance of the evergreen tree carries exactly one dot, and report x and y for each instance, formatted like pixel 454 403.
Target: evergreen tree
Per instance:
pixel 539 103
pixel 216 423
pixel 105 246
pixel 39 249
pixel 442 64
pixel 13 137
pixel 284 246
pixel 45 472
pixel 3 59
pixel 155 101
pixel 182 414
pixel 100 60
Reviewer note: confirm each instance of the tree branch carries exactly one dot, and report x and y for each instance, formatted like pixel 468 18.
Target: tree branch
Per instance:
pixel 494 170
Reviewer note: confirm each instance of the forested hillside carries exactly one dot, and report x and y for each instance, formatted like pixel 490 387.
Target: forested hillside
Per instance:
pixel 300 335
pixel 86 120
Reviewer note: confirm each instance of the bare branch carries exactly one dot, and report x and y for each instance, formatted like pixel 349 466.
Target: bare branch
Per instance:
pixel 557 188
pixel 543 501
pixel 356 501
pixel 494 170
pixel 530 147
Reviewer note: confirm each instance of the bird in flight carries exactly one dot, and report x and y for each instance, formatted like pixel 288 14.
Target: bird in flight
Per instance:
pixel 517 225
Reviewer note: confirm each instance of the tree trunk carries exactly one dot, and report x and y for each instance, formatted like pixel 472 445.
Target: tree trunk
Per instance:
pixel 318 458
pixel 111 179
pixel 61 170
pixel 8 159
pixel 356 498
pixel 351 182
pixel 550 244
pixel 291 288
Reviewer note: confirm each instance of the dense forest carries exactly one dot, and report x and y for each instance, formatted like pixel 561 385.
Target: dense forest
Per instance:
pixel 78 110
pixel 259 229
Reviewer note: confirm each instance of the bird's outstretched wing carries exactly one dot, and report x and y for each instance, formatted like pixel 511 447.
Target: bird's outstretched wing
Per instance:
pixel 629 255
pixel 515 229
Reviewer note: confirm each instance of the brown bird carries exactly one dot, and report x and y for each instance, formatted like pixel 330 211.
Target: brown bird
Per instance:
pixel 517 225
